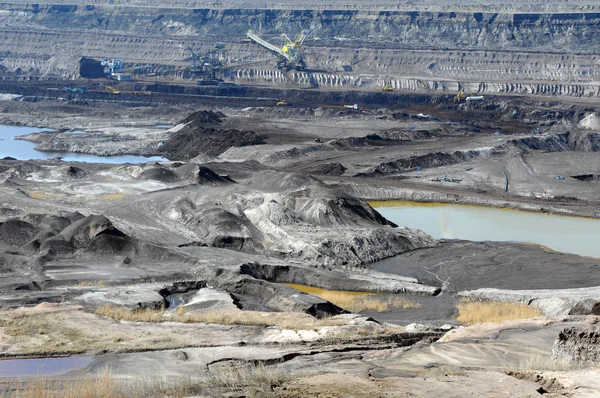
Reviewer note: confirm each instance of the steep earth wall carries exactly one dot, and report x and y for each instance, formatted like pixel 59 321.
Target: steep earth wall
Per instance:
pixel 350 45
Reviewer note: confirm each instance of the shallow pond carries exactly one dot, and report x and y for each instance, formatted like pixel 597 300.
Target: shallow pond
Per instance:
pixel 42 366
pixel 24 150
pixel 450 221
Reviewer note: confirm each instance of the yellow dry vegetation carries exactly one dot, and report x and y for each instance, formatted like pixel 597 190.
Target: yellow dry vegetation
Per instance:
pixel 283 320
pixel 41 195
pixel 473 312
pixel 114 196
pixel 102 386
pixel 357 301
pixel 105 385
pixel 91 283
pixel 402 203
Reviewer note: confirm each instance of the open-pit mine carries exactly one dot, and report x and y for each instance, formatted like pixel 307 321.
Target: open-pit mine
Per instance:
pixel 279 199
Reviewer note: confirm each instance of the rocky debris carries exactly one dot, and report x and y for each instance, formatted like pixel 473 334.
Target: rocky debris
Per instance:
pixel 22 170
pixel 43 237
pixel 273 296
pixel 408 116
pixel 201 118
pixel 16 232
pixel 287 154
pixel 200 174
pixel 573 140
pixel 419 328
pixel 96 233
pixel 291 217
pixel 196 136
pixel 580 344
pixel 329 169
pixel 207 299
pixel 126 171
pixel 190 142
pixel 333 280
pixel 286 219
pixel 435 159
pixel 547 142
pixel 169 173
pixel 361 142
pixel 585 141
pixel 69 173
pixel 410 135
pixel 139 143
pixel 587 177
pixel 141 295
pixel 590 122
pixel 159 173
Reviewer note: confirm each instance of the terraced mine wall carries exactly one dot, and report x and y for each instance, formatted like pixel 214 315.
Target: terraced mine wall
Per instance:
pixel 552 53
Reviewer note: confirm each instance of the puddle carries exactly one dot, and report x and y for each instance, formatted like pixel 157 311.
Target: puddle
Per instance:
pixel 175 300
pixel 24 150
pixel 42 366
pixel 576 235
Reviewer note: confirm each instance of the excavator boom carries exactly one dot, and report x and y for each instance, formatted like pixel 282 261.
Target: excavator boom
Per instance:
pixel 290 57
pixel 254 37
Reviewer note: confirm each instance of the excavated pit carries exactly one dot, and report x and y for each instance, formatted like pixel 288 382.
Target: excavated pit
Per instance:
pixel 541 51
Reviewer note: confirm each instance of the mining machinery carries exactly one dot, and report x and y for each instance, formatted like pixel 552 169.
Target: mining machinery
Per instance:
pixel 289 52
pixel 460 97
pixel 76 90
pixel 113 68
pixel 208 64
pixel 111 90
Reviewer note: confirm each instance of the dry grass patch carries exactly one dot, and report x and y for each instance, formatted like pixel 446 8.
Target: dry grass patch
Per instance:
pixel 287 320
pixel 357 301
pixel 219 381
pixel 402 203
pixel 473 312
pixel 91 283
pixel 114 196
pixel 41 195
pixel 246 375
pixel 43 331
pixel 222 380
pixel 102 386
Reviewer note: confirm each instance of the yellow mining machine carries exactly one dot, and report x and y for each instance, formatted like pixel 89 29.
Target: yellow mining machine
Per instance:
pixel 112 90
pixel 289 52
pixel 460 97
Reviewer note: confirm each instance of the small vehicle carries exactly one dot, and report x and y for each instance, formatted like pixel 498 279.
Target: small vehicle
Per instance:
pixel 76 90
pixel 112 90
pixel 388 88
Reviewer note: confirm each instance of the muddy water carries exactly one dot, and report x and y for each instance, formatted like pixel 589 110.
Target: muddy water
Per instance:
pixel 449 221
pixel 42 366
pixel 24 150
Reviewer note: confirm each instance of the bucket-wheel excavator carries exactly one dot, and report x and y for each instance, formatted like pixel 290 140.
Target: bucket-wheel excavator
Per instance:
pixel 289 52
